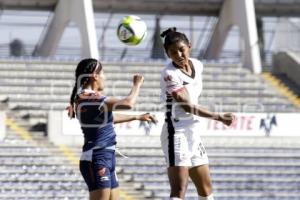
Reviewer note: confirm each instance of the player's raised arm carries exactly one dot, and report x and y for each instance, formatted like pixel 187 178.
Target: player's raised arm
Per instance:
pixel 182 97
pixel 128 102
pixel 120 118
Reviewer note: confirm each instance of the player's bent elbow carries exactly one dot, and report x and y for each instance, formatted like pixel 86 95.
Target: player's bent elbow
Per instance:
pixel 125 104
pixel 187 108
pixel 128 106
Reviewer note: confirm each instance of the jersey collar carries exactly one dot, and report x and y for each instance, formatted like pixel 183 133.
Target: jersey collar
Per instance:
pixel 192 76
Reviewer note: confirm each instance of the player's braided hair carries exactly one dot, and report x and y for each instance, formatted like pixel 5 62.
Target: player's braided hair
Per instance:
pixel 172 36
pixel 85 67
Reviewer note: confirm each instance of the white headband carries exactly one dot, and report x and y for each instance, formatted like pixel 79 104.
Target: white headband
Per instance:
pixel 96 68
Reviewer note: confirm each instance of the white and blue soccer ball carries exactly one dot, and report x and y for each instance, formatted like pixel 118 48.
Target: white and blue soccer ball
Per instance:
pixel 131 30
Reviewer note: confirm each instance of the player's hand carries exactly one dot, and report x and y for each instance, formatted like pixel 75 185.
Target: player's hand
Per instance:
pixel 148 118
pixel 70 110
pixel 138 79
pixel 227 118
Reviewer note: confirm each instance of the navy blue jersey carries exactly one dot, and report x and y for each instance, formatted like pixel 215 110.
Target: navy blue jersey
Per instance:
pixel 96 122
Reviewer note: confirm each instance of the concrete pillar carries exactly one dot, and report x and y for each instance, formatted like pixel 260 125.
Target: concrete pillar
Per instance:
pixel 242 14
pixel 78 11
pixel 157 46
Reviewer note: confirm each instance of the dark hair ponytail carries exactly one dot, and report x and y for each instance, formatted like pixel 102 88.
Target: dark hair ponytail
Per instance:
pixel 172 36
pixel 85 66
pixel 169 30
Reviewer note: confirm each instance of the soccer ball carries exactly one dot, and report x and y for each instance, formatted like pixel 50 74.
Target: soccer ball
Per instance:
pixel 131 30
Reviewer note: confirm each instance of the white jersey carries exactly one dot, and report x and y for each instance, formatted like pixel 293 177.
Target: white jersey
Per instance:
pixel 173 80
pixel 180 137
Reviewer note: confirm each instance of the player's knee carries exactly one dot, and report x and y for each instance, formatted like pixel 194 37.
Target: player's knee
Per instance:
pixel 178 190
pixel 208 188
pixel 205 189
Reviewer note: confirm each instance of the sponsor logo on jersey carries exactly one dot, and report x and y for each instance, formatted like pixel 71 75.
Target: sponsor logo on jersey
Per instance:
pixel 104 178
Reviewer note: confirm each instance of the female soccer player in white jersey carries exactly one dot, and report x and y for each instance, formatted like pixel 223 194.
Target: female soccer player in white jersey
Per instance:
pixel 181 85
pixel 94 111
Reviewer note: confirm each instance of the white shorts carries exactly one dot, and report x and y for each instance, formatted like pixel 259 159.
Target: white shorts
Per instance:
pixel 183 147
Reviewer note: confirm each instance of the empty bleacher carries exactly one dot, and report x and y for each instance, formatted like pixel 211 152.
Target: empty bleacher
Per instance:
pixel 34 169
pixel 242 169
pixel 227 87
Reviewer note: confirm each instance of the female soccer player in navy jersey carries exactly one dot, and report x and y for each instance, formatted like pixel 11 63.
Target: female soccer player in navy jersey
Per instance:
pixel 181 85
pixel 94 112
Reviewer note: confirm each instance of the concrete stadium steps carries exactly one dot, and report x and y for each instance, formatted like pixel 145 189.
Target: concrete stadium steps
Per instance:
pixel 29 123
pixel 123 88
pixel 29 115
pixel 59 79
pixel 37 66
pixel 144 106
pixel 32 171
pixel 19 90
pixel 229 184
pixel 155 98
pixel 36 169
pixel 112 76
pixel 65 86
pixel 35 122
pixel 38 76
pixel 227 84
pixel 31 88
pixel 116 66
pixel 34 112
pixel 228 195
pixel 36 82
pixel 250 168
pixel 241 168
pixel 148 101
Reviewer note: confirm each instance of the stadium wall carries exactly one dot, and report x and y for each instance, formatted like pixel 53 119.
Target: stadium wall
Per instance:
pixel 62 130
pixel 287 63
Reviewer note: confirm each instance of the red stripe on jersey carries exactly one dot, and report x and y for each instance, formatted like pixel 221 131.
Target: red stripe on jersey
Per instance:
pixel 178 90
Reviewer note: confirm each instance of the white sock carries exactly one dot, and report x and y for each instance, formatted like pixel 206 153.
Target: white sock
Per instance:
pixel 175 198
pixel 209 197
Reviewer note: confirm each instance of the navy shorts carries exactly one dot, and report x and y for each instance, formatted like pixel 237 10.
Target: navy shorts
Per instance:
pixel 100 172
